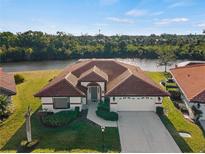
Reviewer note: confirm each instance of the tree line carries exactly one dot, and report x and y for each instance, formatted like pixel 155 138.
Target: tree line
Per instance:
pixel 36 45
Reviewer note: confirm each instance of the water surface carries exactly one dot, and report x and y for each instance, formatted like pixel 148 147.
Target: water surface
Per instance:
pixel 145 64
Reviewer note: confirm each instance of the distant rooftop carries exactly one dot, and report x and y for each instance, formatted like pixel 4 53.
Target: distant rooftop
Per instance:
pixel 186 63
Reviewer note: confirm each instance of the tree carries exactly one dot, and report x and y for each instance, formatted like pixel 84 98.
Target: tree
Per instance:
pixel 3 106
pixel 166 57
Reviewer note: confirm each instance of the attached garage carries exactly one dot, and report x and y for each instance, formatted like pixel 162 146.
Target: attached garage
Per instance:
pixel 134 103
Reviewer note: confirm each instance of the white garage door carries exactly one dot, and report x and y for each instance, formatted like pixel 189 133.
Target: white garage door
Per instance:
pixel 136 105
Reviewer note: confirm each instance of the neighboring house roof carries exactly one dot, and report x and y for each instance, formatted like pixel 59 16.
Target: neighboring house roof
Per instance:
pixel 7 83
pixel 191 80
pixel 121 79
pixel 187 63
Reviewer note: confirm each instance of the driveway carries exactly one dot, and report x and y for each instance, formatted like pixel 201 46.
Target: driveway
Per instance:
pixel 144 132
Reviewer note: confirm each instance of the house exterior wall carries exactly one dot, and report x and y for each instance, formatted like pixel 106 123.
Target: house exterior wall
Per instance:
pixel 135 103
pixel 47 104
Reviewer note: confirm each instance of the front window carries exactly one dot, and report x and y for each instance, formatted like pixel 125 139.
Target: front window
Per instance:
pixel 61 103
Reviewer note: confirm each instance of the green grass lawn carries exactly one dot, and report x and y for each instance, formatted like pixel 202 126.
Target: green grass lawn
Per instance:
pixel 176 122
pixel 79 136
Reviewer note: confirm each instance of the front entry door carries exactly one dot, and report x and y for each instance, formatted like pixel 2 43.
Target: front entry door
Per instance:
pixel 94 94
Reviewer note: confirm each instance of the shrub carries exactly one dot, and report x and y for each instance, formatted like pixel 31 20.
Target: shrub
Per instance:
pixel 104 105
pixel 160 110
pixel 171 85
pixel 77 109
pixel 60 118
pixel 163 83
pixel 175 94
pixel 196 111
pixel 18 78
pixel 4 107
pixel 106 115
pixel 170 80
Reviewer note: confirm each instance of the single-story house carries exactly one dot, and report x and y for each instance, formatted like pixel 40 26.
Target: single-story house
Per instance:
pixel 89 81
pixel 7 84
pixel 191 81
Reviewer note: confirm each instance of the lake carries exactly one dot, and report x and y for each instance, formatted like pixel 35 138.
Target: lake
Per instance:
pixel 145 64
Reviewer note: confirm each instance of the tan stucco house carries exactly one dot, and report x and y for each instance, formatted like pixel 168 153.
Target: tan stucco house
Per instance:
pixel 89 81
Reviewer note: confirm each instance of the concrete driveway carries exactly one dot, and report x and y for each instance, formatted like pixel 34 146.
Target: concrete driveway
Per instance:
pixel 144 132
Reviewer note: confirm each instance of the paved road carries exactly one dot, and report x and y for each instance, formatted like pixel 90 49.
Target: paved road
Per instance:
pixel 144 132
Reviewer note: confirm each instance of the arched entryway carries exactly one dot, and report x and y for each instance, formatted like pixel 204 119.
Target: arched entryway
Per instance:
pixel 94 92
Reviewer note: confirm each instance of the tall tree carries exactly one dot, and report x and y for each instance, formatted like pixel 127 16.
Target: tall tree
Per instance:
pixel 166 56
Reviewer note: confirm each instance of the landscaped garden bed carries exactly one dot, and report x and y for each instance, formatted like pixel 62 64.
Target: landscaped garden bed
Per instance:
pixel 103 111
pixel 59 119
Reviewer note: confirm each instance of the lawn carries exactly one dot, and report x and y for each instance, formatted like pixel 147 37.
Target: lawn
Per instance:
pixel 79 136
pixel 176 122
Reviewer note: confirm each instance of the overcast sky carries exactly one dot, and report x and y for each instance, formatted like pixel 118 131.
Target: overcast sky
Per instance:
pixel 133 17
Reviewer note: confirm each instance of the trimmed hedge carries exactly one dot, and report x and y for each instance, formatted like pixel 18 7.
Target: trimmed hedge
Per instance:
pixel 175 94
pixel 160 110
pixel 60 118
pixel 104 105
pixel 18 78
pixel 106 115
pixel 103 111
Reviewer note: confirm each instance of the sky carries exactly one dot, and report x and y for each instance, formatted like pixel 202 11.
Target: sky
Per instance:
pixel 123 17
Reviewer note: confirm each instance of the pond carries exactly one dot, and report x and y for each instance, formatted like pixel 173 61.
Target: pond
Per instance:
pixel 145 64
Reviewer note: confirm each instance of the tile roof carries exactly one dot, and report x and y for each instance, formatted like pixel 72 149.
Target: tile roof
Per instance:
pixel 113 72
pixel 94 74
pixel 7 82
pixel 191 80
pixel 60 89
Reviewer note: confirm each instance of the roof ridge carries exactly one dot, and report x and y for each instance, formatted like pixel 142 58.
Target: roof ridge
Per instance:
pixel 130 73
pixel 153 85
pixel 74 87
pixel 203 90
pixel 188 66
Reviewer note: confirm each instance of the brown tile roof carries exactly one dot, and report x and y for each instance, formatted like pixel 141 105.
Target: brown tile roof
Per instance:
pixel 130 84
pixel 108 66
pixel 7 82
pixel 60 89
pixel 93 75
pixel 191 80
pixel 113 72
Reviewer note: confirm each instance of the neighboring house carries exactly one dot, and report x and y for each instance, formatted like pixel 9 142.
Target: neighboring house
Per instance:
pixel 7 84
pixel 189 63
pixel 89 81
pixel 191 81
